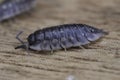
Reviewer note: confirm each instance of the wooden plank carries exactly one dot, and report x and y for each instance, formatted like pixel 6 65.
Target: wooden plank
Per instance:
pixel 100 62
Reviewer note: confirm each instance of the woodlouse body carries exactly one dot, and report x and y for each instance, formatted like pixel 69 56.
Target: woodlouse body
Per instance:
pixel 62 36
pixel 11 8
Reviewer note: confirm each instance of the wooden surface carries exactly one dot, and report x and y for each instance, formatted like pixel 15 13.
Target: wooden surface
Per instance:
pixel 100 62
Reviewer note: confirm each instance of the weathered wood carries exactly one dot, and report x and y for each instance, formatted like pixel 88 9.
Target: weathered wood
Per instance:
pixel 100 62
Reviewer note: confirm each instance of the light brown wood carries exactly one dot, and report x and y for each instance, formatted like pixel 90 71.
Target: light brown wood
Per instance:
pixel 100 62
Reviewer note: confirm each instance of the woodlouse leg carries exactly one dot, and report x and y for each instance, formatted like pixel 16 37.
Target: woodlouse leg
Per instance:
pixel 51 52
pixel 17 37
pixel 81 47
pixel 65 49
pixel 51 48
pixel 27 48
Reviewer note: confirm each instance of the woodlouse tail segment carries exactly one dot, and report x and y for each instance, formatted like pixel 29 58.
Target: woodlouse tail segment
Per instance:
pixel 105 32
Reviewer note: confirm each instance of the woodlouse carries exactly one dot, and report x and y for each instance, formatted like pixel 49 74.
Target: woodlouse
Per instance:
pixel 11 8
pixel 61 37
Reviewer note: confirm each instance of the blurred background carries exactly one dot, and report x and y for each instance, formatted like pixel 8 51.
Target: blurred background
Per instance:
pixel 100 63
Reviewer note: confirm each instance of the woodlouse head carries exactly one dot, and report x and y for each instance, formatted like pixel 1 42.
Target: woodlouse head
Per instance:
pixel 31 39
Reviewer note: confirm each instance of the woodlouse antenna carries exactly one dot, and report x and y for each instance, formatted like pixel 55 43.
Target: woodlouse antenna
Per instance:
pixel 24 45
pixel 17 37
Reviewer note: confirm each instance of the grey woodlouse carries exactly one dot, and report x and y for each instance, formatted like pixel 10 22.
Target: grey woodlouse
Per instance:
pixel 61 37
pixel 11 8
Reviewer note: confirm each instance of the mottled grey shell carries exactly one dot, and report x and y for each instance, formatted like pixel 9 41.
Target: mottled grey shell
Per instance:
pixel 11 8
pixel 63 36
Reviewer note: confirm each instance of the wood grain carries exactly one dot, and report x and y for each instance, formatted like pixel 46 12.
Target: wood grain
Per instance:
pixel 101 61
